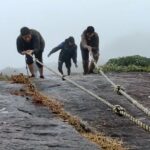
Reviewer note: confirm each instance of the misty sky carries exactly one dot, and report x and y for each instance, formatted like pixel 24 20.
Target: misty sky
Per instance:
pixel 123 26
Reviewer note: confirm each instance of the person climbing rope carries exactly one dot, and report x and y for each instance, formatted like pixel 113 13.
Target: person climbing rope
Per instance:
pixel 89 45
pixel 30 42
pixel 68 51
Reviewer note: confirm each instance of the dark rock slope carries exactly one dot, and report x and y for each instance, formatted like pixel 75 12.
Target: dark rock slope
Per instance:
pixel 26 126
pixel 97 114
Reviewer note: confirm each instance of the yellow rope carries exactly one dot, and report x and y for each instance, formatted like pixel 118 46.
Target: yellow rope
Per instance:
pixel 121 91
pixel 116 108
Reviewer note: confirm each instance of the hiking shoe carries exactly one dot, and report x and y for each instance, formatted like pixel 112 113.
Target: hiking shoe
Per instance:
pixel 85 73
pixel 42 77
pixel 32 76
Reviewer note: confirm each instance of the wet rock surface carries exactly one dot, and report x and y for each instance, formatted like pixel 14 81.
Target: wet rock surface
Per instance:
pixel 97 114
pixel 27 126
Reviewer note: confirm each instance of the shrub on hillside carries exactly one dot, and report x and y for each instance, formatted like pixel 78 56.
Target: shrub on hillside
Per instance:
pixel 126 64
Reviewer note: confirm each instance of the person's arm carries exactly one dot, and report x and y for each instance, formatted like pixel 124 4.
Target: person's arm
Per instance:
pixel 19 45
pixel 96 47
pixel 55 49
pixel 84 42
pixel 36 44
pixel 74 56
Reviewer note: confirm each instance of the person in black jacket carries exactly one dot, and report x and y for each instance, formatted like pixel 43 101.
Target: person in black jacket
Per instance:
pixel 89 45
pixel 68 51
pixel 31 42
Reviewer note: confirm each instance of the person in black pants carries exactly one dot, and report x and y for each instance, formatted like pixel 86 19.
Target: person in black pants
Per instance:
pixel 89 45
pixel 30 42
pixel 68 51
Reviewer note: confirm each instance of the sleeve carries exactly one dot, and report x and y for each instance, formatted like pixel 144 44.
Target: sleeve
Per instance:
pixel 74 56
pixel 55 49
pixel 19 45
pixel 83 40
pixel 36 44
pixel 96 47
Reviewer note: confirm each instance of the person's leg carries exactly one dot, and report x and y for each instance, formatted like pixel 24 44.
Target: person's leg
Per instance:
pixel 40 67
pixel 41 72
pixel 60 65
pixel 31 68
pixel 68 66
pixel 92 65
pixel 85 59
pixel 29 61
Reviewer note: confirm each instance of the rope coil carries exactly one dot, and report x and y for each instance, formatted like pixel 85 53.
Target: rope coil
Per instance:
pixel 118 88
pixel 117 109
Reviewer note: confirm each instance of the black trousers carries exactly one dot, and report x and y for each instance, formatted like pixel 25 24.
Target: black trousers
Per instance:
pixel 88 67
pixel 68 66
pixel 29 59
pixel 85 60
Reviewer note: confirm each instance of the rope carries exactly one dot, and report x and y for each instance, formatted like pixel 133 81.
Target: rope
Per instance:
pixel 121 91
pixel 27 67
pixel 77 85
pixel 116 108
pixel 121 112
pixel 118 88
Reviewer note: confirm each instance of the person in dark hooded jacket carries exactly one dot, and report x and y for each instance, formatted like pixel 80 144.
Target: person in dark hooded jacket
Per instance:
pixel 30 42
pixel 68 51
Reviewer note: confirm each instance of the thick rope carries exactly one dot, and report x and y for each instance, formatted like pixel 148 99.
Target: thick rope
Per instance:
pixel 122 112
pixel 77 85
pixel 121 91
pixel 116 108
pixel 132 100
pixel 27 67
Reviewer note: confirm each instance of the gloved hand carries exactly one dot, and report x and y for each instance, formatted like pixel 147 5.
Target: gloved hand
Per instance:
pixel 29 52
pixel 23 53
pixel 89 48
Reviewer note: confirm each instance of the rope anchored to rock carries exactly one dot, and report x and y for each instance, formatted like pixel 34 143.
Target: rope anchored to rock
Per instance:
pixel 121 91
pixel 116 108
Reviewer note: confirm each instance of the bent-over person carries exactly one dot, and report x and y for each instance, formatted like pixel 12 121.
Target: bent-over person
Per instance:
pixel 31 42
pixel 89 45
pixel 68 51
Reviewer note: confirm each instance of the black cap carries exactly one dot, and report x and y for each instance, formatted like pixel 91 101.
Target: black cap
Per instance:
pixel 24 31
pixel 90 29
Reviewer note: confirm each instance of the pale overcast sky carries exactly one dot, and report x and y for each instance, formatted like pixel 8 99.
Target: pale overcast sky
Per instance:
pixel 123 26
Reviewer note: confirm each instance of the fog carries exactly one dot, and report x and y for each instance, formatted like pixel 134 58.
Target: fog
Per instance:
pixel 123 26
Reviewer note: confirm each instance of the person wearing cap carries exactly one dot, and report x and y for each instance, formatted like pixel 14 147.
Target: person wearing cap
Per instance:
pixel 68 51
pixel 89 45
pixel 30 42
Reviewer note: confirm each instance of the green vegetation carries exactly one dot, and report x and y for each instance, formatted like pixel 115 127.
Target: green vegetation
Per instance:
pixel 128 64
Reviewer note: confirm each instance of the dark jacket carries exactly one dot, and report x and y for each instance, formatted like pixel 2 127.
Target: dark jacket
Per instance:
pixel 67 52
pixel 93 42
pixel 37 43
